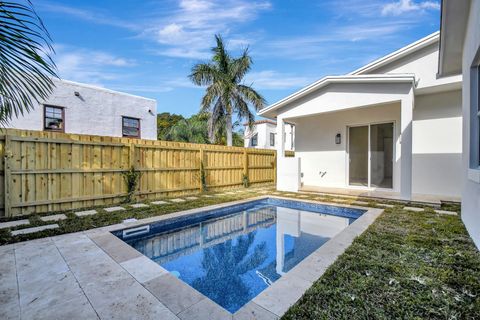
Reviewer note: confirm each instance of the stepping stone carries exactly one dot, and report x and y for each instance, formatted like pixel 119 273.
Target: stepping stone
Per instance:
pixel 207 196
pixel 360 203
pixel 303 196
pixel 55 217
pixel 112 209
pixel 262 192
pixel 15 223
pixel 34 229
pixel 139 205
pixel 413 209
pixel 191 198
pixel 452 213
pixel 230 193
pixel 289 195
pixel 178 200
pixel 159 202
pixel 386 205
pixel 85 213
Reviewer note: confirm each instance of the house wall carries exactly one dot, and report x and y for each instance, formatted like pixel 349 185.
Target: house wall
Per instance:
pixel 97 111
pixel 436 145
pixel 315 143
pixel 264 130
pixel 470 177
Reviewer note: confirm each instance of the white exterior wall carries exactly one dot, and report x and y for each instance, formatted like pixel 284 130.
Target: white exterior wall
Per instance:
pixel 319 154
pixel 437 147
pixel 263 130
pixel 470 177
pixel 97 111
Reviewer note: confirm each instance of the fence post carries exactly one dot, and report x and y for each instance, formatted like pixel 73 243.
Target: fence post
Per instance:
pixel 202 169
pixel 132 156
pixel 7 176
pixel 275 168
pixel 245 163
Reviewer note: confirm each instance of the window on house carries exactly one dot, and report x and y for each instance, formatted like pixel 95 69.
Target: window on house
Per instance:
pixel 476 114
pixel 53 118
pixel 255 140
pixel 272 139
pixel 131 127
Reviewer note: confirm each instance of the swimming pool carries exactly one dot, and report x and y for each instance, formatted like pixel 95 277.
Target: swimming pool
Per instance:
pixel 233 253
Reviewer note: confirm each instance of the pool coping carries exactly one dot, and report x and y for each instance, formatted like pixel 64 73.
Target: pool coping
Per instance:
pixel 188 303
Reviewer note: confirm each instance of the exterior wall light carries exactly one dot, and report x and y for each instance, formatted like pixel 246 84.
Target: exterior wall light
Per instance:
pixel 338 138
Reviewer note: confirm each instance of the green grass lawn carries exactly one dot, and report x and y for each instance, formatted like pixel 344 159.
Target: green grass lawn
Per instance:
pixel 407 265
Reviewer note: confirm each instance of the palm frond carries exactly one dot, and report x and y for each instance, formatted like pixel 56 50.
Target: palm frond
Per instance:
pixel 26 66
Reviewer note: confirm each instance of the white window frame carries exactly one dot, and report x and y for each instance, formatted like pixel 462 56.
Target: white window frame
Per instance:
pixel 474 161
pixel 254 138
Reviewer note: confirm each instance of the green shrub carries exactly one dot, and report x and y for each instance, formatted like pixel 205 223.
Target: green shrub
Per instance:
pixel 131 178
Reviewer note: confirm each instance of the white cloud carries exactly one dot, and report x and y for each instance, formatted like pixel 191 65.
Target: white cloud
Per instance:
pixel 89 66
pixel 405 6
pixel 188 31
pixel 270 79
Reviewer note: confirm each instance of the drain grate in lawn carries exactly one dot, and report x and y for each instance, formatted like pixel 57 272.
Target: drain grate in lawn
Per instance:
pixel 407 265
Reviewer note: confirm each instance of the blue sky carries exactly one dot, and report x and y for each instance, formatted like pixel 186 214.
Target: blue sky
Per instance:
pixel 148 47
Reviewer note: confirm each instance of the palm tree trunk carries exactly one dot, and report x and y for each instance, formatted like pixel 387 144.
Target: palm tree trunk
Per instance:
pixel 229 129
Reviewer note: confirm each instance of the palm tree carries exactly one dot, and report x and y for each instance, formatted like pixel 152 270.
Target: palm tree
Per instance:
pixel 25 62
pixel 226 94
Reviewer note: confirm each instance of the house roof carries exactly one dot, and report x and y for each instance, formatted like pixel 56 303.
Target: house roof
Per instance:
pixel 262 121
pixel 359 75
pixel 400 53
pixel 377 78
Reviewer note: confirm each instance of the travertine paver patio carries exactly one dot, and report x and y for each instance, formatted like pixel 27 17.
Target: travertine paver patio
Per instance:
pixel 95 275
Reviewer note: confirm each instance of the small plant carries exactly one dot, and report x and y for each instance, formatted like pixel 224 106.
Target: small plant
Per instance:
pixel 203 177
pixel 246 181
pixel 131 178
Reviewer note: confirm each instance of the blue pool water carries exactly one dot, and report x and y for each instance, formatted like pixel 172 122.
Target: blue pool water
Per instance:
pixel 234 253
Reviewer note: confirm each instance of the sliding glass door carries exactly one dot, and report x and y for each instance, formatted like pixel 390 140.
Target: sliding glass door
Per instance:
pixel 371 155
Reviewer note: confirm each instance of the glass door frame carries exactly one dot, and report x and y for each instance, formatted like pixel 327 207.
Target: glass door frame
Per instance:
pixel 369 125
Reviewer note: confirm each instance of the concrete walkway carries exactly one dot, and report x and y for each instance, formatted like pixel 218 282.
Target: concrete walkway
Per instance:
pixel 71 277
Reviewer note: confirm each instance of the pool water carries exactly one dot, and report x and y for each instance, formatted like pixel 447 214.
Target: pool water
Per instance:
pixel 232 254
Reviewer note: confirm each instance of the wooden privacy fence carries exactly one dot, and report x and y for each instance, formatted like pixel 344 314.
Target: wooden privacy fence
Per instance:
pixel 46 171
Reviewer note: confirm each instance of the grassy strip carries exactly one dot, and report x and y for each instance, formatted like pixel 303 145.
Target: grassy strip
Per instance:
pixel 103 218
pixel 407 265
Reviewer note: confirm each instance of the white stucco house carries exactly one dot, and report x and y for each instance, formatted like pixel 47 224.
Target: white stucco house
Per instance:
pixel 263 135
pixel 392 127
pixel 85 109
pixel 460 54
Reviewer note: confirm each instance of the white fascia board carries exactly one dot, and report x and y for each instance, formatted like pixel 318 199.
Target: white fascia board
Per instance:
pixel 94 87
pixel 383 78
pixel 402 52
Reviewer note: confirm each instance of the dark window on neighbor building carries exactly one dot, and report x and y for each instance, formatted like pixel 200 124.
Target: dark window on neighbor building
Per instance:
pixel 272 139
pixel 255 140
pixel 54 118
pixel 131 127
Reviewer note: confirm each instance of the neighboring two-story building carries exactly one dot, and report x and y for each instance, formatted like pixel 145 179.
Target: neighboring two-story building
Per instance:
pixel 263 135
pixel 84 109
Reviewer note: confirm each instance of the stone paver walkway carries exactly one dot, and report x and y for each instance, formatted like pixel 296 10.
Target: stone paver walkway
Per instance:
pixel 413 209
pixel 34 229
pixel 54 217
pixel 177 200
pixel 139 205
pixel 113 209
pixel 159 202
pixel 85 213
pixel 15 223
